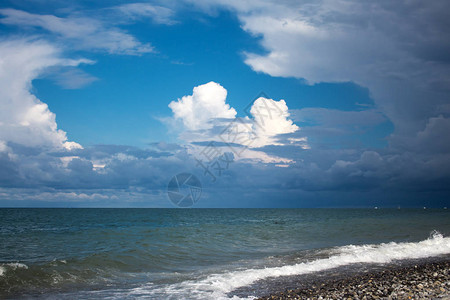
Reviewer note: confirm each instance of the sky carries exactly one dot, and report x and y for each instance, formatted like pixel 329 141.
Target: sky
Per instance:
pixel 267 103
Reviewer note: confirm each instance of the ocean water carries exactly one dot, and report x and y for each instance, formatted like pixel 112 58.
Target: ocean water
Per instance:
pixel 202 253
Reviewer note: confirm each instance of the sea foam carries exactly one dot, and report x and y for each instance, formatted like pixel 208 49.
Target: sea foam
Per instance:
pixel 217 286
pixel 11 266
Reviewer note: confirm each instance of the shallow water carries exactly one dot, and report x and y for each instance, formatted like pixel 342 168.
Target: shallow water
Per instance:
pixel 200 253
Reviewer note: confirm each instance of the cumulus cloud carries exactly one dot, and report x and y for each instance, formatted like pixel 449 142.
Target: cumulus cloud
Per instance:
pixel 207 103
pixel 83 32
pixel 207 117
pixel 206 109
pixel 271 119
pixel 24 119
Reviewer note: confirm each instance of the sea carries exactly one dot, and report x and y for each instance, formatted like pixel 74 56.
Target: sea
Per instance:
pixel 204 253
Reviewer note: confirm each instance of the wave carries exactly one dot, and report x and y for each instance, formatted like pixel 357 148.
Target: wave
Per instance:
pixel 17 278
pixel 91 272
pixel 11 266
pixel 217 286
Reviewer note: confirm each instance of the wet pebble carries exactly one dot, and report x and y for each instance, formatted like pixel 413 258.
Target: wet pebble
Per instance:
pixel 427 281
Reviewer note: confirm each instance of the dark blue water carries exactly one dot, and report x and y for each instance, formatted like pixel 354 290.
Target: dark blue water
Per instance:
pixel 199 253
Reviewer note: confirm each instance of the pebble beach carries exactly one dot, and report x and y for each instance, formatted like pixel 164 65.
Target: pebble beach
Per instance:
pixel 429 280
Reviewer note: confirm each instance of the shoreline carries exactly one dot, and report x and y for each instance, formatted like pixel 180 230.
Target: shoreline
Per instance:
pixel 424 280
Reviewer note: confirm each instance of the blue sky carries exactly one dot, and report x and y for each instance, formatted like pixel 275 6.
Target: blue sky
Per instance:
pixel 103 103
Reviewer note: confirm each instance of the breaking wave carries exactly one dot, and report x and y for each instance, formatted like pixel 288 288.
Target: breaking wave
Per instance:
pixel 217 286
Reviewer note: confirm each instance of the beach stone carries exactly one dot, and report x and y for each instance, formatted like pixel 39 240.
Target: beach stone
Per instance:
pixel 421 281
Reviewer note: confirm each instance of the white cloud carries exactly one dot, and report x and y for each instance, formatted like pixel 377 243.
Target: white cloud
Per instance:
pixel 207 117
pixel 80 32
pixel 71 78
pixel 159 14
pixel 207 103
pixel 271 118
pixel 26 120
pixel 72 146
pixel 322 41
pixel 260 156
pixel 302 142
pixel 3 146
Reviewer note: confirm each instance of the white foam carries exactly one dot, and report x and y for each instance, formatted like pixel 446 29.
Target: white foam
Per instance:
pixel 15 266
pixel 216 286
pixel 11 266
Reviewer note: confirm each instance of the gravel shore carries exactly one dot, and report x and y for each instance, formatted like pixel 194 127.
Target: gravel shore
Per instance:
pixel 421 281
